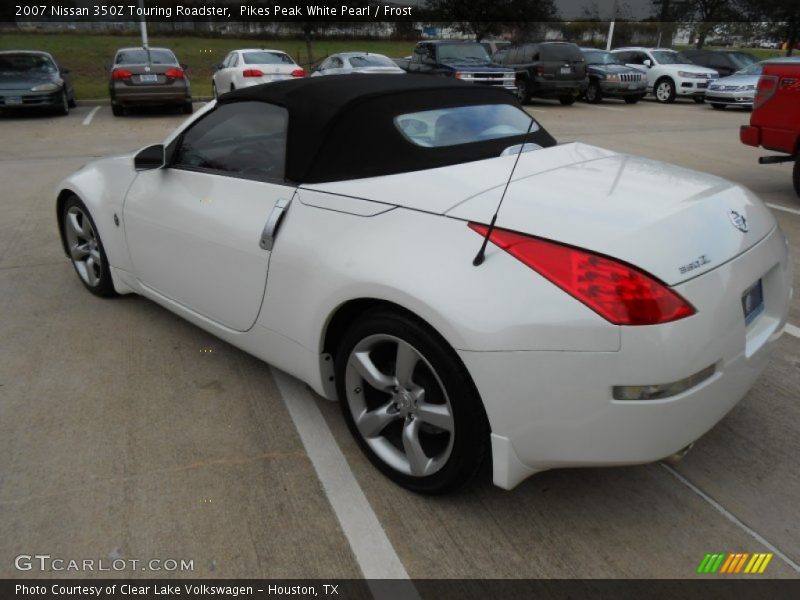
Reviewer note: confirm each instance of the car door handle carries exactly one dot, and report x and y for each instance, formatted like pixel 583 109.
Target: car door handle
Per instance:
pixel 273 223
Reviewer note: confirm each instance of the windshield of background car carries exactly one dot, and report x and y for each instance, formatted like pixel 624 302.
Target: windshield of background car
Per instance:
pixel 754 69
pixel 742 60
pixel 598 57
pixel 559 52
pixel 26 63
pixel 463 52
pixel 667 57
pixel 267 58
pixel 464 124
pixel 139 57
pixel 371 60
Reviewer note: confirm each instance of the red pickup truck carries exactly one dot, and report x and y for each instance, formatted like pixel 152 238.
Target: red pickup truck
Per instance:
pixel 775 122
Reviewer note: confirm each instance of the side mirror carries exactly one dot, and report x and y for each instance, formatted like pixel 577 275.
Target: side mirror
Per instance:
pixel 647 63
pixel 151 157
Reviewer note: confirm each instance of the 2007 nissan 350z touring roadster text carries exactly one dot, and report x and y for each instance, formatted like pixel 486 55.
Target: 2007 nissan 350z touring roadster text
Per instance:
pixel 331 227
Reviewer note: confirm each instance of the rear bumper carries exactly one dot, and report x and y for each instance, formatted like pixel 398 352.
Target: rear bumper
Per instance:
pixel 556 409
pixel 127 95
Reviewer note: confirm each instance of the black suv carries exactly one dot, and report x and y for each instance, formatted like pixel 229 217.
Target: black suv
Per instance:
pixel 546 70
pixel 724 62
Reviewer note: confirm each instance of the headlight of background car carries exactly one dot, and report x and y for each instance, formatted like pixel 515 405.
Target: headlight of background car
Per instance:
pixel 45 87
pixel 689 75
pixel 460 75
pixel 746 88
pixel 612 77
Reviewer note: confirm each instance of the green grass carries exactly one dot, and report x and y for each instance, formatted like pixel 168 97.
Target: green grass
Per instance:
pixel 88 55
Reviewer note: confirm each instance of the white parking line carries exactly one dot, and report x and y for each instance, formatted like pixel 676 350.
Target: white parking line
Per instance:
pixel 91 115
pixel 732 518
pixel 794 211
pixel 615 109
pixel 792 330
pixel 372 549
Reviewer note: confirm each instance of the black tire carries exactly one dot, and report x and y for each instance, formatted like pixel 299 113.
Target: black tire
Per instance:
pixel 63 108
pixel 567 100
pixel 796 176
pixel 446 383
pixel 523 93
pixel 117 110
pixel 188 107
pixel 103 286
pixel 668 94
pixel 593 93
pixel 717 106
pixel 632 99
pixel 699 99
pixel 71 102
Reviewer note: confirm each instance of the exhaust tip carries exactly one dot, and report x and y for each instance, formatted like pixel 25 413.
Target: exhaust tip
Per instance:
pixel 674 459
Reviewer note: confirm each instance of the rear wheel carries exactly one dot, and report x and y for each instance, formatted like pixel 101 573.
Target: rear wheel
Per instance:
pixel 664 90
pixel 117 110
pixel 410 403
pixel 85 248
pixel 593 93
pixel 566 100
pixel 188 107
pixel 632 99
pixel 796 176
pixel 717 106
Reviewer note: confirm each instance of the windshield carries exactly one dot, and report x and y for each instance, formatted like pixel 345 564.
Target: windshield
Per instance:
pixel 754 69
pixel 669 57
pixel 464 125
pixel 26 63
pixel 463 52
pixel 371 60
pixel 138 56
pixel 743 60
pixel 267 58
pixel 599 57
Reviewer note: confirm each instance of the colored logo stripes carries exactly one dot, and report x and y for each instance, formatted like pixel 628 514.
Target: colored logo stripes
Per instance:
pixel 736 562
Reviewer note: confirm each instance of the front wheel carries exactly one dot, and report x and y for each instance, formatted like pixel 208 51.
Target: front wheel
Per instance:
pixel 410 403
pixel 63 108
pixel 566 100
pixel 796 176
pixel 593 93
pixel 665 91
pixel 86 249
pixel 523 93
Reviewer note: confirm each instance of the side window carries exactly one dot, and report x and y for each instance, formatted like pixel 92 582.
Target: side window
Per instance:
pixel 336 63
pixel 417 56
pixel 227 62
pixel 242 139
pixel 637 58
pixel 234 59
pixel 325 64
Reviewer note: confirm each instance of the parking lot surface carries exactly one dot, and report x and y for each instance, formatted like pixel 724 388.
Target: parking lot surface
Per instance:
pixel 126 432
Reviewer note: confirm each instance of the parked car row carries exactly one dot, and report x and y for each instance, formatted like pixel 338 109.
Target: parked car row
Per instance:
pixel 32 79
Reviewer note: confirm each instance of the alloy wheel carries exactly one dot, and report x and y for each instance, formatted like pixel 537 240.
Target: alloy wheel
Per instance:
pixel 84 249
pixel 399 405
pixel 664 91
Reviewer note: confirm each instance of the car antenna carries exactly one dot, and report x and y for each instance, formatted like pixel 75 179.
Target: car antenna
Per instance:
pixel 481 255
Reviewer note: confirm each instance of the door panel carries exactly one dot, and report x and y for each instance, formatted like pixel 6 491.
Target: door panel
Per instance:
pixel 193 237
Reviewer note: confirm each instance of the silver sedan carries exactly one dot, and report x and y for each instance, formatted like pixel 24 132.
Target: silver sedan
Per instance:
pixel 738 89
pixel 346 63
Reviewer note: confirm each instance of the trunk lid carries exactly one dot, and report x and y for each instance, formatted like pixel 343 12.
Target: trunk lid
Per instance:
pixel 672 222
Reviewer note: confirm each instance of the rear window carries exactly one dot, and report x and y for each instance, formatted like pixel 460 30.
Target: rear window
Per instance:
pixel 559 52
pixel 267 58
pixel 371 60
pixel 139 57
pixel 464 125
pixel 26 63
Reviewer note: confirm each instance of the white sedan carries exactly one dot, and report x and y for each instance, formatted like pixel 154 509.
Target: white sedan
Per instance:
pixel 621 308
pixel 348 63
pixel 245 68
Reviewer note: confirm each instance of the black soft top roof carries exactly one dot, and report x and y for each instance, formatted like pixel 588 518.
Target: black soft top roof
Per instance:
pixel 341 126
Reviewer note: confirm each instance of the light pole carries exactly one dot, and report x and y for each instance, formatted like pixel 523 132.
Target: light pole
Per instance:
pixel 143 25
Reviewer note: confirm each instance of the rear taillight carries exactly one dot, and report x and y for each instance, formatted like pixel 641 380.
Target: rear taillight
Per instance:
pixel 298 73
pixel 252 73
pixel 618 292
pixel 121 74
pixel 767 85
pixel 539 70
pixel 174 73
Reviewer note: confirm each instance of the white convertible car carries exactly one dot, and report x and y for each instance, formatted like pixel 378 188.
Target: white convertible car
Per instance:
pixel 623 306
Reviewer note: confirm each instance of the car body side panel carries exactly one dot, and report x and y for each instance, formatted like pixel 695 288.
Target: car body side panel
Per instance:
pixel 323 259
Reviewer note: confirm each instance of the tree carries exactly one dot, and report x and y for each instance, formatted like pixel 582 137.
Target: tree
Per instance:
pixel 783 16
pixel 483 18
